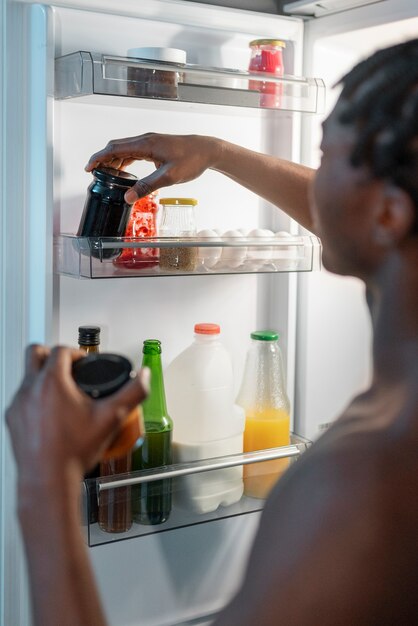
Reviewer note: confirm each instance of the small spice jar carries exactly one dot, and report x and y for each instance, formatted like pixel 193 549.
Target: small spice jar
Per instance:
pixel 105 212
pixel 178 220
pixel 155 83
pixel 267 57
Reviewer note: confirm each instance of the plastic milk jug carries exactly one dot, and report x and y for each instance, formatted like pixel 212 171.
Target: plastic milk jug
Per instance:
pixel 206 421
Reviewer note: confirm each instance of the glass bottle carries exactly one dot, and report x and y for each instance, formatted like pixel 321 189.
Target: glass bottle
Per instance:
pixel 178 220
pixel 151 502
pixel 100 375
pixel 263 397
pixel 89 339
pixel 89 342
pixel 267 57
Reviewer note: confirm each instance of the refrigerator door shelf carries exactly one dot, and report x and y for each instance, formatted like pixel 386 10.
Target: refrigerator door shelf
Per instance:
pixel 107 257
pixel 179 477
pixel 82 74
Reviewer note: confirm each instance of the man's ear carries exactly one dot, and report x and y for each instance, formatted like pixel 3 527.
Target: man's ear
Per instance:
pixel 395 217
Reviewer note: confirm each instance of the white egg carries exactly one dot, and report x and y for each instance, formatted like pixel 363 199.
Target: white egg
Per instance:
pixel 244 231
pixel 283 233
pixel 232 257
pixel 209 256
pixel 260 255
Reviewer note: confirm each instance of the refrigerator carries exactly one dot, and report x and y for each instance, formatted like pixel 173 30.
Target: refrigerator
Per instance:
pixel 64 76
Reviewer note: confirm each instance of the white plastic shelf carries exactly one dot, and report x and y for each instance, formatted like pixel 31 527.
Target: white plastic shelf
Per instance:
pixel 103 257
pixel 85 74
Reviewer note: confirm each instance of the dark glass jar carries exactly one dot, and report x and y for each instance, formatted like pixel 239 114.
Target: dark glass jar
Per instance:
pixel 106 213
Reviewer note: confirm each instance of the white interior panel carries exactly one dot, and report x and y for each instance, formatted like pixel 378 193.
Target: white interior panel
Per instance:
pixel 334 334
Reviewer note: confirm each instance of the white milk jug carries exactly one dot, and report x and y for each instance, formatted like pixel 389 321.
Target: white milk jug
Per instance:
pixel 206 421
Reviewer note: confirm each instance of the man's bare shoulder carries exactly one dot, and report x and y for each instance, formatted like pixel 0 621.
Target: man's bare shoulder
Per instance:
pixel 341 524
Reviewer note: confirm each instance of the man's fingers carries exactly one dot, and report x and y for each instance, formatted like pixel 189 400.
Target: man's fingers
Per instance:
pixel 35 357
pixel 147 185
pixel 131 148
pixel 61 359
pixel 112 412
pixel 131 394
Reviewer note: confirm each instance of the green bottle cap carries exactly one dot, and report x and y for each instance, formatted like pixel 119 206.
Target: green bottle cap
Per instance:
pixel 265 335
pixel 152 346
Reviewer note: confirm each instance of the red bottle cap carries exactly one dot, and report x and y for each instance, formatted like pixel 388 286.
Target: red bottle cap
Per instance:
pixel 207 329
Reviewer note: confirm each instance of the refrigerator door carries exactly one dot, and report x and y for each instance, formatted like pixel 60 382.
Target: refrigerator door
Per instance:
pixel 334 338
pixel 186 574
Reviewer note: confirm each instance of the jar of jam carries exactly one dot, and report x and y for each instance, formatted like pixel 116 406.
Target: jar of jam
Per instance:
pixel 155 83
pixel 106 213
pixel 267 57
pixel 142 223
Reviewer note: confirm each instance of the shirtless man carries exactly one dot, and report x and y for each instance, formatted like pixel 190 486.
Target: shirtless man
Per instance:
pixel 338 538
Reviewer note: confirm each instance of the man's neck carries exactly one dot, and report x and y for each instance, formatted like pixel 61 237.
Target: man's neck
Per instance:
pixel 392 297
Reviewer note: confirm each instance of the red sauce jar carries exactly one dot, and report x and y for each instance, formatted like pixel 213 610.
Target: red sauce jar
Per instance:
pixel 267 57
pixel 142 223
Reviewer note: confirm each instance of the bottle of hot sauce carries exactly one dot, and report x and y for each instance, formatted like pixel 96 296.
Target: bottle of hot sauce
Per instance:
pixel 151 502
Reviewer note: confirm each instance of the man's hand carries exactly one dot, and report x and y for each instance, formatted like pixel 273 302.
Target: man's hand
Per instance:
pixel 177 158
pixel 54 426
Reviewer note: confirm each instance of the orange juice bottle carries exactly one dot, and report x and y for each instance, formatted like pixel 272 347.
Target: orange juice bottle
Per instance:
pixel 263 397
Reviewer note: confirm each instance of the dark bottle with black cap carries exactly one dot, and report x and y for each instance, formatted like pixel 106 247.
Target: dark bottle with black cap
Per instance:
pixel 89 342
pixel 89 339
pixel 105 212
pixel 100 375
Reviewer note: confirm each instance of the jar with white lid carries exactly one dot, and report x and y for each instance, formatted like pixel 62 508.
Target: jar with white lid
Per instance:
pixel 178 221
pixel 155 83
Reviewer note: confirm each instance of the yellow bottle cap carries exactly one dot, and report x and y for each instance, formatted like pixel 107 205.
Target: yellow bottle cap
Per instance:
pixel 268 42
pixel 178 201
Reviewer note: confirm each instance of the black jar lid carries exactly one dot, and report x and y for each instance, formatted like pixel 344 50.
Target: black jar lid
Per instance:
pixel 100 375
pixel 117 177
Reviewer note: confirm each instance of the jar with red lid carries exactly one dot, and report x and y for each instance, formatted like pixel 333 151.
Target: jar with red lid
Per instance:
pixel 142 223
pixel 267 57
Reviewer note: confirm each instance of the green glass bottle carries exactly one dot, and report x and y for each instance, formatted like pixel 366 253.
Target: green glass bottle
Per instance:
pixel 151 502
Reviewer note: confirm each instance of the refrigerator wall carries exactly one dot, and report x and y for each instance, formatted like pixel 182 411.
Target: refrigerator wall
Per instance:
pixel 334 335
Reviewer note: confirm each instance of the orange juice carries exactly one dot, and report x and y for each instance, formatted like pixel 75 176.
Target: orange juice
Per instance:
pixel 267 428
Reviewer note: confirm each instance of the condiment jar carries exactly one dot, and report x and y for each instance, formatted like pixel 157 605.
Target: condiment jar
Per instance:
pixel 142 223
pixel 178 220
pixel 100 375
pixel 105 212
pixel 155 83
pixel 267 56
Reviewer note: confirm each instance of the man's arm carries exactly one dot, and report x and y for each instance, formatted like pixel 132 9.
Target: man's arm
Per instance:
pixel 181 158
pixel 58 434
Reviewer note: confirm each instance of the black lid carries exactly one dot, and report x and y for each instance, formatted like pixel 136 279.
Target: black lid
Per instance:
pixel 88 335
pixel 117 177
pixel 100 375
